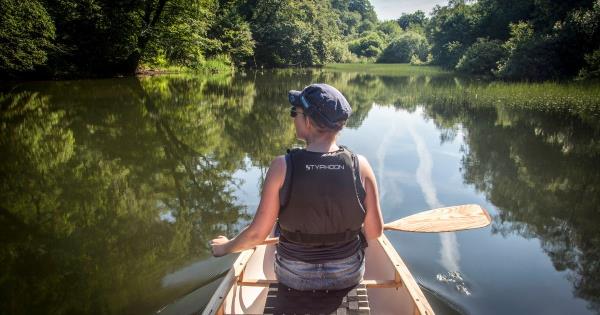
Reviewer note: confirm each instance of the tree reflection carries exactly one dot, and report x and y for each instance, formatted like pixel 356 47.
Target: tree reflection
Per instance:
pixel 109 185
pixel 540 169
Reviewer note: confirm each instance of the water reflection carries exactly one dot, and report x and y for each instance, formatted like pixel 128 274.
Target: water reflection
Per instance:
pixel 541 171
pixel 111 188
pixel 109 185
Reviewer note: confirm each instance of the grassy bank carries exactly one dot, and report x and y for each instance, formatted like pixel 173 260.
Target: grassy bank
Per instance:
pixel 411 85
pixel 582 98
pixel 399 69
pixel 160 65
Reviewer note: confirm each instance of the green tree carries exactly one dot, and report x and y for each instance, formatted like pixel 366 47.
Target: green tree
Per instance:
pixel 104 37
pixel 354 16
pixel 592 67
pixel 293 33
pixel 415 19
pixel 481 57
pixel 560 35
pixel 26 35
pixel 182 34
pixel 528 55
pixel 402 49
pixel 450 31
pixel 349 22
pixel 496 15
pixel 364 8
pixel 390 29
pixel 234 35
pixel 369 45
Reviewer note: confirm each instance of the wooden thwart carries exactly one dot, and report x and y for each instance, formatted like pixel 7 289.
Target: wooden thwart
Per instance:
pixel 366 283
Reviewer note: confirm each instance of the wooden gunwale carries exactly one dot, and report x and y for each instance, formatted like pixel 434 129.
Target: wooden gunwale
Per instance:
pixel 403 274
pixel 215 303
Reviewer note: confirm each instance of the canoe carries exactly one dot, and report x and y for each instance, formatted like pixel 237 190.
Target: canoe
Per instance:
pixel 391 288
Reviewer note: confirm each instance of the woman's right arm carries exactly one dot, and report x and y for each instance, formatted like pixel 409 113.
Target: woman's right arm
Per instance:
pixel 373 227
pixel 265 218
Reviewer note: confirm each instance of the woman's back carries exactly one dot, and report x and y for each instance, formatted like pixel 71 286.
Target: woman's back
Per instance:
pixel 325 209
pixel 322 212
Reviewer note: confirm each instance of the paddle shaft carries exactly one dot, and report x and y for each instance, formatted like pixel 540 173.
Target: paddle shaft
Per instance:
pixel 447 219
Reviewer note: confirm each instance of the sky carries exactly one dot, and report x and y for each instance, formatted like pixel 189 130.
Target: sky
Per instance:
pixel 392 9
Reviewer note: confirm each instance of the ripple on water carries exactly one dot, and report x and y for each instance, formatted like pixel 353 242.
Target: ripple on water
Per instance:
pixel 454 278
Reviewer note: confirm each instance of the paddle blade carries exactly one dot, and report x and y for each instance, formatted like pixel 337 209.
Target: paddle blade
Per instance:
pixel 447 219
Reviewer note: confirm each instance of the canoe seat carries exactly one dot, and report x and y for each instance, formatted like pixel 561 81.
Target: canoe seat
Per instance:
pixel 284 300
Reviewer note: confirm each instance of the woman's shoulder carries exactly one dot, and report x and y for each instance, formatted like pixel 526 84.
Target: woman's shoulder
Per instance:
pixel 362 160
pixel 364 166
pixel 276 172
pixel 278 163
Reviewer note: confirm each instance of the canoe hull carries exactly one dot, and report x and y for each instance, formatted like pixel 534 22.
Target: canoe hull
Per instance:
pixel 390 286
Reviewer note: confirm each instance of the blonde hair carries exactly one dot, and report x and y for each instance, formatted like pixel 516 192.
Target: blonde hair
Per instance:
pixel 321 128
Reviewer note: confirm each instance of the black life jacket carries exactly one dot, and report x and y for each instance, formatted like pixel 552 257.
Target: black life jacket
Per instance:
pixel 322 198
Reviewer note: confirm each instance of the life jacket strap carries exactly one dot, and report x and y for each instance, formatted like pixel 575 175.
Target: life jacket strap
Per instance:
pixel 319 239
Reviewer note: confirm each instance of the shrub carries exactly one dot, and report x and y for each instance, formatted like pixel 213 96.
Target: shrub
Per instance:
pixel 402 49
pixel 592 67
pixel 481 57
pixel 369 45
pixel 340 52
pixel 390 29
pixel 219 63
pixel 529 56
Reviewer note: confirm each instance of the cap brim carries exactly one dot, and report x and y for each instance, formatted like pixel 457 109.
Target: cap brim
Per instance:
pixel 294 98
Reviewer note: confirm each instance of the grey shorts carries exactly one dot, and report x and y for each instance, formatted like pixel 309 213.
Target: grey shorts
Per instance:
pixel 332 275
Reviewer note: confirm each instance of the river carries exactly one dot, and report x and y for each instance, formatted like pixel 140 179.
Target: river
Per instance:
pixel 111 189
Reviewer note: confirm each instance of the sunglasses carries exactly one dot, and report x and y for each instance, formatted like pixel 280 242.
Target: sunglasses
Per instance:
pixel 294 113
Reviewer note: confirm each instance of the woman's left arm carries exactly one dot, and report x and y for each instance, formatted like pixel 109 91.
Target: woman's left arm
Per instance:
pixel 266 215
pixel 373 227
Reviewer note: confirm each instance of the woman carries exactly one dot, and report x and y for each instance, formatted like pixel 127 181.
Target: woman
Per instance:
pixel 323 198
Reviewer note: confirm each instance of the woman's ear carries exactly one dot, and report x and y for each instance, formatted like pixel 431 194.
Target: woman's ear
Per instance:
pixel 308 123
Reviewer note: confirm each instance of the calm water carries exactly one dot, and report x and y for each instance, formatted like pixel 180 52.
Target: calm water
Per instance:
pixel 110 189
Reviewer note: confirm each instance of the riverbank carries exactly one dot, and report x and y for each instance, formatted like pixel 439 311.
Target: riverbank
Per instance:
pixel 387 68
pixel 160 66
pixel 430 84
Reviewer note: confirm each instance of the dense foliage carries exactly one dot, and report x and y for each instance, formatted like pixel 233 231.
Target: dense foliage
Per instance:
pixel 481 57
pixel 369 45
pixel 404 48
pixel 26 34
pixel 540 40
pixel 531 39
pixel 294 33
pixel 106 37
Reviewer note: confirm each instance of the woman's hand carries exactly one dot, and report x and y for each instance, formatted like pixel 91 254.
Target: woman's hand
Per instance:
pixel 219 246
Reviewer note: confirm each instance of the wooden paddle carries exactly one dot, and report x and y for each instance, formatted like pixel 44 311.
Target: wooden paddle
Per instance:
pixel 448 219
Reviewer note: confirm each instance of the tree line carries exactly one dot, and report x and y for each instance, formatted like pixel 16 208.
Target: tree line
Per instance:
pixel 530 39
pixel 534 40
pixel 57 38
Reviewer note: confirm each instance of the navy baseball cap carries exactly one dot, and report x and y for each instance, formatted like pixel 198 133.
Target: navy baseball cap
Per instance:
pixel 323 103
